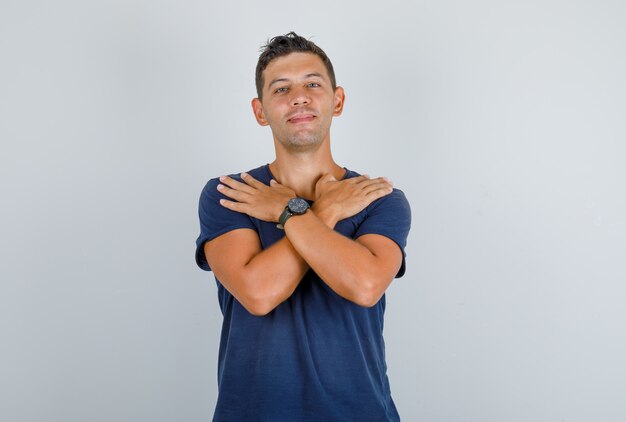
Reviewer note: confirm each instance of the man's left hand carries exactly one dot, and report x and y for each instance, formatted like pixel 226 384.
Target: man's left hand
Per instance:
pixel 255 198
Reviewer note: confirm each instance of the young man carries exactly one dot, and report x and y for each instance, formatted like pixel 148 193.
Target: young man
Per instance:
pixel 302 250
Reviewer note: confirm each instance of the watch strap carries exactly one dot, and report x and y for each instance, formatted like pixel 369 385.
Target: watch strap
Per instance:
pixel 295 206
pixel 283 218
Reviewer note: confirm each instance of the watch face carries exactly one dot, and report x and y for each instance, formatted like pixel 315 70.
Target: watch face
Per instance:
pixel 298 205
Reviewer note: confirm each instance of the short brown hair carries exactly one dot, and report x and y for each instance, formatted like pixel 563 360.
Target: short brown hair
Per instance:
pixel 282 45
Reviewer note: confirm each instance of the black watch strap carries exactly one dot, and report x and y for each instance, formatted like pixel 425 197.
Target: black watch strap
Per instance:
pixel 283 218
pixel 295 206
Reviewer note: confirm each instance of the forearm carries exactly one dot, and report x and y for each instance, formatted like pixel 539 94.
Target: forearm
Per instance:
pixel 260 279
pixel 346 266
pixel 263 279
pixel 272 275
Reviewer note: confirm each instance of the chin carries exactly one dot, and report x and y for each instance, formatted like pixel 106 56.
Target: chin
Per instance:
pixel 302 144
pixel 302 139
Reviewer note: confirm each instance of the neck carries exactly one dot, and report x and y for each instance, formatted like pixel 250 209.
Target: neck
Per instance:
pixel 301 170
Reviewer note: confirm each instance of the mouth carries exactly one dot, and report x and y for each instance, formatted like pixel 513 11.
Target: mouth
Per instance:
pixel 301 118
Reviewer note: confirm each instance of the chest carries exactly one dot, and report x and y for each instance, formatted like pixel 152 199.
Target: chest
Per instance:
pixel 269 233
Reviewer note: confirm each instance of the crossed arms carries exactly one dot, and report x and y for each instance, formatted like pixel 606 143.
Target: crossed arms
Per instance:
pixel 260 279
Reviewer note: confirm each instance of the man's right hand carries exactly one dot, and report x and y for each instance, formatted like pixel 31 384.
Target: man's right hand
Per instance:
pixel 255 198
pixel 336 200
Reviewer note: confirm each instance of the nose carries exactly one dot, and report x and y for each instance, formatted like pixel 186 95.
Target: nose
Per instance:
pixel 299 98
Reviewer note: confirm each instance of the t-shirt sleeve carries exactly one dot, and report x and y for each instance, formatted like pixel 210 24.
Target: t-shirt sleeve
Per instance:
pixel 389 216
pixel 216 220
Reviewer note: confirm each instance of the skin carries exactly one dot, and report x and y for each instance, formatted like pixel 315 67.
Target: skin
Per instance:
pixel 298 105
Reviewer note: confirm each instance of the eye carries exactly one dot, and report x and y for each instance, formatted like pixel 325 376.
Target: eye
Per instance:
pixel 312 84
pixel 281 90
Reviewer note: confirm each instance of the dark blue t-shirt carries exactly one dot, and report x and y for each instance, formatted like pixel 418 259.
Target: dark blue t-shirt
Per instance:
pixel 316 356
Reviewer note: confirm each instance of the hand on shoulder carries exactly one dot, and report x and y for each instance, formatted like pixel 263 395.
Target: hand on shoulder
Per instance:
pixel 255 198
pixel 344 198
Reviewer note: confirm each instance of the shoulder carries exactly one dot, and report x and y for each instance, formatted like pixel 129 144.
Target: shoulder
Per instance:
pixel 395 200
pixel 260 173
pixel 391 213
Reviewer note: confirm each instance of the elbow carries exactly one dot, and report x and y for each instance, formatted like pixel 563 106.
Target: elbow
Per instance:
pixel 369 293
pixel 367 300
pixel 258 308
pixel 258 301
pixel 252 294
pixel 256 304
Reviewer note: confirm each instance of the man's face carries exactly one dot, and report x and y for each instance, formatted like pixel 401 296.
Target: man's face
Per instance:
pixel 298 101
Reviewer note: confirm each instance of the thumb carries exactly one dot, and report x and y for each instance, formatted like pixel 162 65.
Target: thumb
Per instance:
pixel 328 177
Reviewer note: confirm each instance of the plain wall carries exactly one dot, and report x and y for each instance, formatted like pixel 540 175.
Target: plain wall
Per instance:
pixel 503 122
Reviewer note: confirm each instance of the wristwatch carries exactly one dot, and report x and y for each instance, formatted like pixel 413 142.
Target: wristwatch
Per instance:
pixel 295 206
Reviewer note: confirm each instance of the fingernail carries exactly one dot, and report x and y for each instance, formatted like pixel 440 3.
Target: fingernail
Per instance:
pixel 222 178
pixel 244 174
pixel 220 187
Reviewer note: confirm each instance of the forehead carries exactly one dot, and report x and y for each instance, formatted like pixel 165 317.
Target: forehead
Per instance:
pixel 294 65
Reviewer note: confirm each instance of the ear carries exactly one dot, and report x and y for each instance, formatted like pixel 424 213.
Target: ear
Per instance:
pixel 257 109
pixel 339 100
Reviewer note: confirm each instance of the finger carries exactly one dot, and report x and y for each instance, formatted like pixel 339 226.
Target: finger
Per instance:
pixel 378 193
pixel 324 179
pixel 251 181
pixel 376 186
pixel 378 180
pixel 233 193
pixel 233 206
pixel 235 184
pixel 327 177
pixel 358 179
pixel 275 185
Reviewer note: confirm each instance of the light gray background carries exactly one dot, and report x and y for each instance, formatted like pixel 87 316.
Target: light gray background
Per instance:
pixel 502 121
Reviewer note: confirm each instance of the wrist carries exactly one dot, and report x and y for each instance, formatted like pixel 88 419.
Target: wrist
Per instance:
pixel 326 214
pixel 281 204
pixel 279 212
pixel 296 206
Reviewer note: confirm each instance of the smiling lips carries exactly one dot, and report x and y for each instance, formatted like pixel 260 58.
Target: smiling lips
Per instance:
pixel 301 118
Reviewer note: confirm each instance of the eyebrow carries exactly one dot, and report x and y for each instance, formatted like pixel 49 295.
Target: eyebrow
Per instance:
pixel 275 81
pixel 317 75
pixel 308 75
